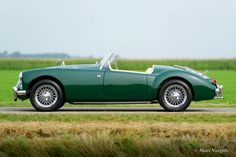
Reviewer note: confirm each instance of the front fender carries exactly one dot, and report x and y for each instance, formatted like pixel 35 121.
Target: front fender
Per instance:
pixel 202 89
pixel 29 76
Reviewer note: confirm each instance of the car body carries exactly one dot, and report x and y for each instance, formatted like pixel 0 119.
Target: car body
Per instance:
pixel 101 83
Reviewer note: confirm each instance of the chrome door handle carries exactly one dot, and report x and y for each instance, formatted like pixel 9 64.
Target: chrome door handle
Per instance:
pixel 98 75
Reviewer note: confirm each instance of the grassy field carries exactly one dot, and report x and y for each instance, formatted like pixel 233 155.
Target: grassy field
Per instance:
pixel 104 145
pixel 120 117
pixel 139 65
pixel 117 134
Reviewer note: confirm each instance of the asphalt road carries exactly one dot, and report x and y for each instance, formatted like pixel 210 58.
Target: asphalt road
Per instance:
pixel 102 109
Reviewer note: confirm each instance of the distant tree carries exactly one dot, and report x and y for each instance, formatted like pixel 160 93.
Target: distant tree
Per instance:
pixel 18 54
pixel 91 56
pixel 15 54
pixel 3 54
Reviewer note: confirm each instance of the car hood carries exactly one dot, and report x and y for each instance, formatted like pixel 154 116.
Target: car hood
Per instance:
pixel 80 66
pixel 65 67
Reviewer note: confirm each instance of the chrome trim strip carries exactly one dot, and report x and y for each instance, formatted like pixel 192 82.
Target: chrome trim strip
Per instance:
pixel 112 102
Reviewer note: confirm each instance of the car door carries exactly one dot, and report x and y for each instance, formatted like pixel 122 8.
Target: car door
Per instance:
pixel 125 86
pixel 84 85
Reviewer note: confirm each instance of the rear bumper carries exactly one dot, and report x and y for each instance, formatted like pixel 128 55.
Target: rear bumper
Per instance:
pixel 219 92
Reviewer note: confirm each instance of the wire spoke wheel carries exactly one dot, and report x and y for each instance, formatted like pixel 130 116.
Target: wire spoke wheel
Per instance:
pixel 175 96
pixel 46 96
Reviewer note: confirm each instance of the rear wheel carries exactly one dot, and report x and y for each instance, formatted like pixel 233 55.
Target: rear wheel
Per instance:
pixel 175 95
pixel 46 95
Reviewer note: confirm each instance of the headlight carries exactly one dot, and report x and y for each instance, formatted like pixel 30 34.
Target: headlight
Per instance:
pixel 20 86
pixel 20 75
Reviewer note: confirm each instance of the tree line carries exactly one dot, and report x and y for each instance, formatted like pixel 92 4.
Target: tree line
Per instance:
pixel 18 54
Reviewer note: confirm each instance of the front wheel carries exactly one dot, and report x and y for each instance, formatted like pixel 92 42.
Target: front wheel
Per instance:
pixel 46 95
pixel 175 95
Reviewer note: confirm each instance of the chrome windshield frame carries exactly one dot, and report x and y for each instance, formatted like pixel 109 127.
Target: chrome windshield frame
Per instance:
pixel 107 60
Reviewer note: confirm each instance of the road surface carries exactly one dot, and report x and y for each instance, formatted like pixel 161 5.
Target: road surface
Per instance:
pixel 110 109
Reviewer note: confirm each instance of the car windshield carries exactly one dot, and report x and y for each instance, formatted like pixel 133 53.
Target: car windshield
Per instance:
pixel 107 60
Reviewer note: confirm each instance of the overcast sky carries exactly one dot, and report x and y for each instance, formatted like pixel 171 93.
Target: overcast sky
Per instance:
pixel 131 28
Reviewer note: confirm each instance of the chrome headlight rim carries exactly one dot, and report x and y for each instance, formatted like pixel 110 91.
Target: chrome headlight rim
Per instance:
pixel 19 83
pixel 20 75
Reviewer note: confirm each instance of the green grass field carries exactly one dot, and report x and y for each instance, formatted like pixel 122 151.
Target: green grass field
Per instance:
pixel 134 64
pixel 178 117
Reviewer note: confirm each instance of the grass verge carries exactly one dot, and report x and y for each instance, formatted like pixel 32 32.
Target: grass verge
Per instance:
pixel 121 117
pixel 117 135
pixel 108 146
pixel 200 130
pixel 51 139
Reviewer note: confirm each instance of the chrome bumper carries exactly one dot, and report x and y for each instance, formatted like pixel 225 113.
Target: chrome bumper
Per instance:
pixel 219 92
pixel 21 94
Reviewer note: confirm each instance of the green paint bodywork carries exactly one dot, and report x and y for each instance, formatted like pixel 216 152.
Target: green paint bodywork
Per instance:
pixel 89 83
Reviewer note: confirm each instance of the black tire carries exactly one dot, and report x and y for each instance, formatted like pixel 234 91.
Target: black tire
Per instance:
pixel 167 97
pixel 58 101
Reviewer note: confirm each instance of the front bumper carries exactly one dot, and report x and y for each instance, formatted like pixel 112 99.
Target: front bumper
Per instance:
pixel 219 92
pixel 18 93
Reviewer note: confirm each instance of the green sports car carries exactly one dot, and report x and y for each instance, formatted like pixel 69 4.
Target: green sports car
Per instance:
pixel 174 87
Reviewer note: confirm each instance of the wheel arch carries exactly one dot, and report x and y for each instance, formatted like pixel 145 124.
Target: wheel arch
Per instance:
pixel 177 78
pixel 47 77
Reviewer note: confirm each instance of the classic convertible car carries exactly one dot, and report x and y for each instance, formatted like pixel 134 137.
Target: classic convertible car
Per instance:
pixel 174 87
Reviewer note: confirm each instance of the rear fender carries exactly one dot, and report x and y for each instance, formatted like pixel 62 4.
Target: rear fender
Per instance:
pixel 202 89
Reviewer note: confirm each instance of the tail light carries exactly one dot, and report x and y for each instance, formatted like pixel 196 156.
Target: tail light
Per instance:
pixel 214 81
